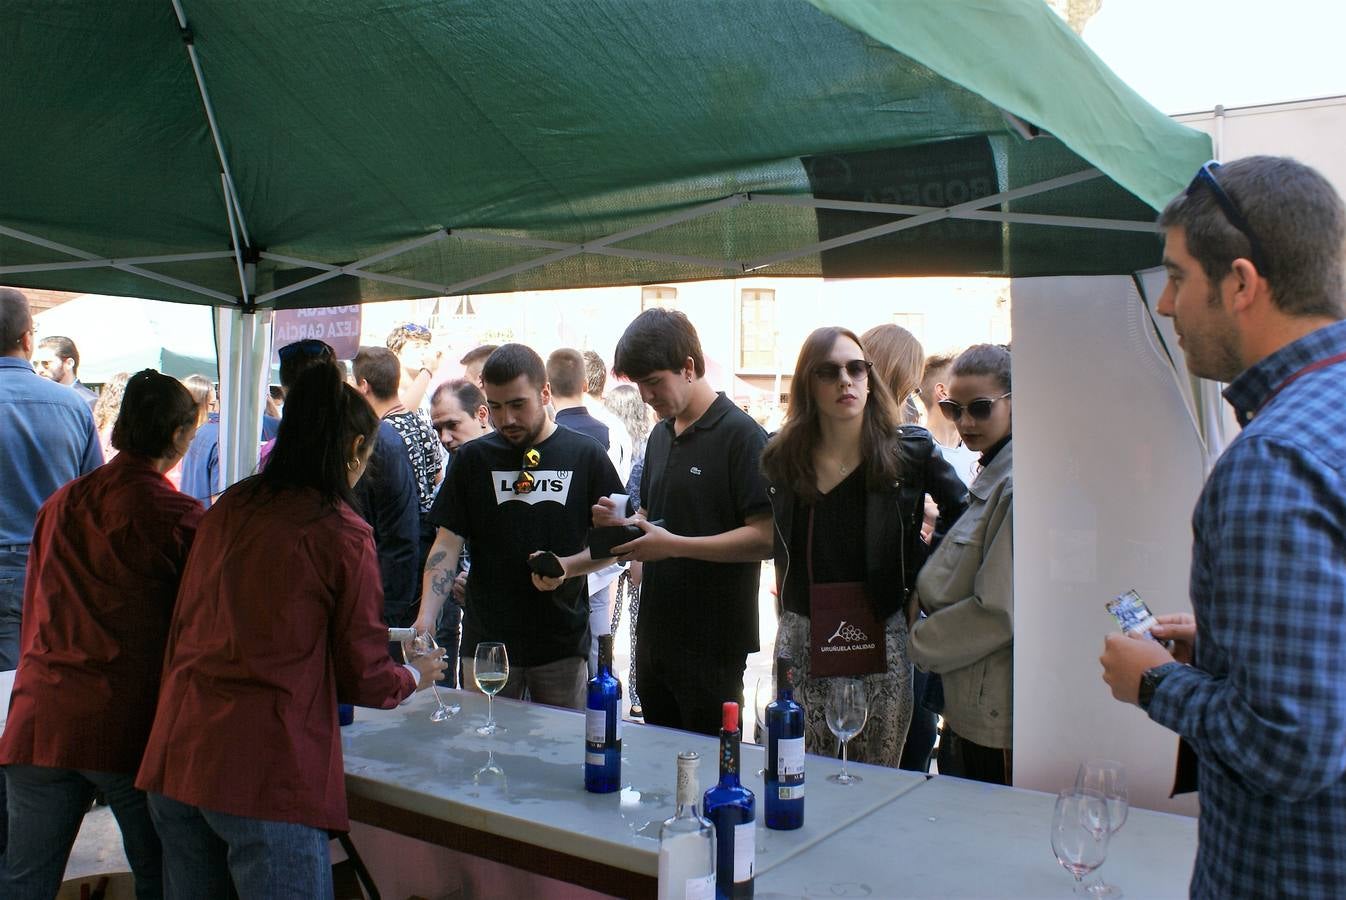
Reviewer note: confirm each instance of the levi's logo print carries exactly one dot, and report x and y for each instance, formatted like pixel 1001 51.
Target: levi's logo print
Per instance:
pixel 531 485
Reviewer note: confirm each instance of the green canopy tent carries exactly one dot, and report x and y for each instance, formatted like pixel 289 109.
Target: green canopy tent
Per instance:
pixel 317 152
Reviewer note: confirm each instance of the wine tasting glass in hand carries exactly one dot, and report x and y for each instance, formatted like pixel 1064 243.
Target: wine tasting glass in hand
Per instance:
pixel 490 670
pixel 423 644
pixel 1080 834
pixel 1107 779
pixel 847 710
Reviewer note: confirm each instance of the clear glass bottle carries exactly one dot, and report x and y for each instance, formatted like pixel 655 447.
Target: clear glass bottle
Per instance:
pixel 603 725
pixel 732 808
pixel 783 799
pixel 687 841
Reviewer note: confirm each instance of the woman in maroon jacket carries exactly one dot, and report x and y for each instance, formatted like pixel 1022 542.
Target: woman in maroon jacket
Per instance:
pixel 108 552
pixel 277 620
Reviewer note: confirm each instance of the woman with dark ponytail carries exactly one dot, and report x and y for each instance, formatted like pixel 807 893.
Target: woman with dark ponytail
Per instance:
pixel 277 621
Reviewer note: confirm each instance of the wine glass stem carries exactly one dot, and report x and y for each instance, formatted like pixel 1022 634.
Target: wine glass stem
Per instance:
pixel 844 773
pixel 490 706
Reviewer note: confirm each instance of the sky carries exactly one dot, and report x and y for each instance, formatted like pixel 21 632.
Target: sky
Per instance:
pixel 1189 55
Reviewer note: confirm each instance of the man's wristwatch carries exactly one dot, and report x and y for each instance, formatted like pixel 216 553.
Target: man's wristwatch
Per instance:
pixel 1149 682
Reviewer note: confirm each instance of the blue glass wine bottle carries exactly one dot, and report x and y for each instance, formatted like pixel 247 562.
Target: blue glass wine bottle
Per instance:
pixel 603 725
pixel 732 808
pixel 784 794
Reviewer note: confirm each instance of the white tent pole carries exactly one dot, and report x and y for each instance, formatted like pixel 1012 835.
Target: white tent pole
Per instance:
pixel 904 209
pixel 230 195
pixel 855 237
pixel 129 261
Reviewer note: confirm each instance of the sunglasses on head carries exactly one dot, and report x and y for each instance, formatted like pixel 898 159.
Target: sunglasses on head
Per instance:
pixel 1206 176
pixel 309 347
pixel 413 328
pixel 857 369
pixel 524 483
pixel 979 409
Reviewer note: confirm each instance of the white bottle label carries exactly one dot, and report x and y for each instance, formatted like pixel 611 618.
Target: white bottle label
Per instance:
pixel 596 727
pixel 702 888
pixel 745 851
pixel 790 757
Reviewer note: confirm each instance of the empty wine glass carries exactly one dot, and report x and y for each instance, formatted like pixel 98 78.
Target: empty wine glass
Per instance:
pixel 1107 779
pixel 423 644
pixel 1080 834
pixel 490 670
pixel 847 710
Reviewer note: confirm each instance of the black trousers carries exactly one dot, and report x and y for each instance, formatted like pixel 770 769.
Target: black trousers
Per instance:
pixel 963 759
pixel 687 690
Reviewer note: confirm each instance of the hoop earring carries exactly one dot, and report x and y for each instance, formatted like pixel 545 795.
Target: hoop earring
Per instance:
pixel 352 465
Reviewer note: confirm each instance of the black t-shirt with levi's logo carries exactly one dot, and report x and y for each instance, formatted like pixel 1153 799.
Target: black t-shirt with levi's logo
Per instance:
pixel 486 500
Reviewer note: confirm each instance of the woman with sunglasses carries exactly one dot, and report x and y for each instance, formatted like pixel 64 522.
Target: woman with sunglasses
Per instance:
pixel 277 619
pixel 935 488
pixel 846 536
pixel 966 588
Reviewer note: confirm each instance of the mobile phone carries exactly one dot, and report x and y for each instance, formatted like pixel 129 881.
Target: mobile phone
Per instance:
pixel 546 564
pixel 1131 613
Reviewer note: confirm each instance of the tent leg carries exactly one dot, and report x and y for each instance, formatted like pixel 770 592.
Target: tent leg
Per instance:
pixel 244 339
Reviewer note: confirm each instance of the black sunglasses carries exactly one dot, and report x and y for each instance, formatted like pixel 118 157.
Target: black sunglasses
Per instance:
pixel 1206 175
pixel 979 409
pixel 858 369
pixel 308 347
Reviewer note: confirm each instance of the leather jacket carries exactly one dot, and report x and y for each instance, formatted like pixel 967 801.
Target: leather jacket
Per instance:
pixel 894 551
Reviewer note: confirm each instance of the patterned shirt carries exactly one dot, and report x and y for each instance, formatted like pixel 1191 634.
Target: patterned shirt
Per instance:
pixel 424 450
pixel 1264 704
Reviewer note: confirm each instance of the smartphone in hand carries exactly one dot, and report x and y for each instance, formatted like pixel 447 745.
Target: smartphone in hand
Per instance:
pixel 1131 613
pixel 546 564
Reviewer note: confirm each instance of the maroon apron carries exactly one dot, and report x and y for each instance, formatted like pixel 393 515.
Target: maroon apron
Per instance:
pixel 845 637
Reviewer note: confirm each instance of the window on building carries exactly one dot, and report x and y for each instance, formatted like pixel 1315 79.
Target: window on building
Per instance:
pixel 913 322
pixel 757 329
pixel 464 307
pixel 658 295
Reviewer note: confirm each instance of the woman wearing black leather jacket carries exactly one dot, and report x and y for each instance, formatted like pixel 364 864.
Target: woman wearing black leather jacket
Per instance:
pixel 847 493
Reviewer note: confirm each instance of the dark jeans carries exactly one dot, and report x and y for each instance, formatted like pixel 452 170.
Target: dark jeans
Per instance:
pixel 449 635
pixel 46 807
pixel 687 690
pixel 921 735
pixel 13 568
pixel 961 758
pixel 204 851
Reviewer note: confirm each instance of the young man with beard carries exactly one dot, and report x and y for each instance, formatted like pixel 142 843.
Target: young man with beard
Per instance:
pixel 1255 681
pixel 526 487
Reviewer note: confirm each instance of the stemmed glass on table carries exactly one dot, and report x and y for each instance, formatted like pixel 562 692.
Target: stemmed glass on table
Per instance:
pixel 490 669
pixel 847 709
pixel 1106 779
pixel 1080 834
pixel 424 644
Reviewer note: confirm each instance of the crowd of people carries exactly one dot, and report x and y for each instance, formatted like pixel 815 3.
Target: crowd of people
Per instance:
pixel 229 623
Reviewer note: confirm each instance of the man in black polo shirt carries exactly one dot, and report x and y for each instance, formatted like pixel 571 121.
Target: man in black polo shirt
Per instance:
pixel 698 607
pixel 527 486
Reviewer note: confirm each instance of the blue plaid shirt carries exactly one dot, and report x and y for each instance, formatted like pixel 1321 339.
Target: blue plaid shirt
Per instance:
pixel 1264 705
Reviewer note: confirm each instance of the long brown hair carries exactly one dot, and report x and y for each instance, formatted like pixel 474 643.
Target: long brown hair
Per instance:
pixel 788 457
pixel 899 360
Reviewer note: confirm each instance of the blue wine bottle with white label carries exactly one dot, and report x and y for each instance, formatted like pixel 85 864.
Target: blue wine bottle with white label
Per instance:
pixel 732 808
pixel 603 725
pixel 784 794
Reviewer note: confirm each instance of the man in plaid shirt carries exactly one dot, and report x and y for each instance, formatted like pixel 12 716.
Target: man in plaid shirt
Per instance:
pixel 1256 682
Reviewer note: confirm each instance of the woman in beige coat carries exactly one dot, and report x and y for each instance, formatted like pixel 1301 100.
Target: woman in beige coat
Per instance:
pixel 966 588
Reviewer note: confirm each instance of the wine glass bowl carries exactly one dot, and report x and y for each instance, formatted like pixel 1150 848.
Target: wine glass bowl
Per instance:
pixel 1080 831
pixel 490 670
pixel 423 644
pixel 1107 779
pixel 847 709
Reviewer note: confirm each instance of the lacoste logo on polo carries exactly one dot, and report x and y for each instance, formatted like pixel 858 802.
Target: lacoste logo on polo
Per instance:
pixel 848 632
pixel 541 486
pixel 695 470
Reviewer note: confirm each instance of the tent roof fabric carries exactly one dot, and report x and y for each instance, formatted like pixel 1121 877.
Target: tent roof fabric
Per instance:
pixel 448 146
